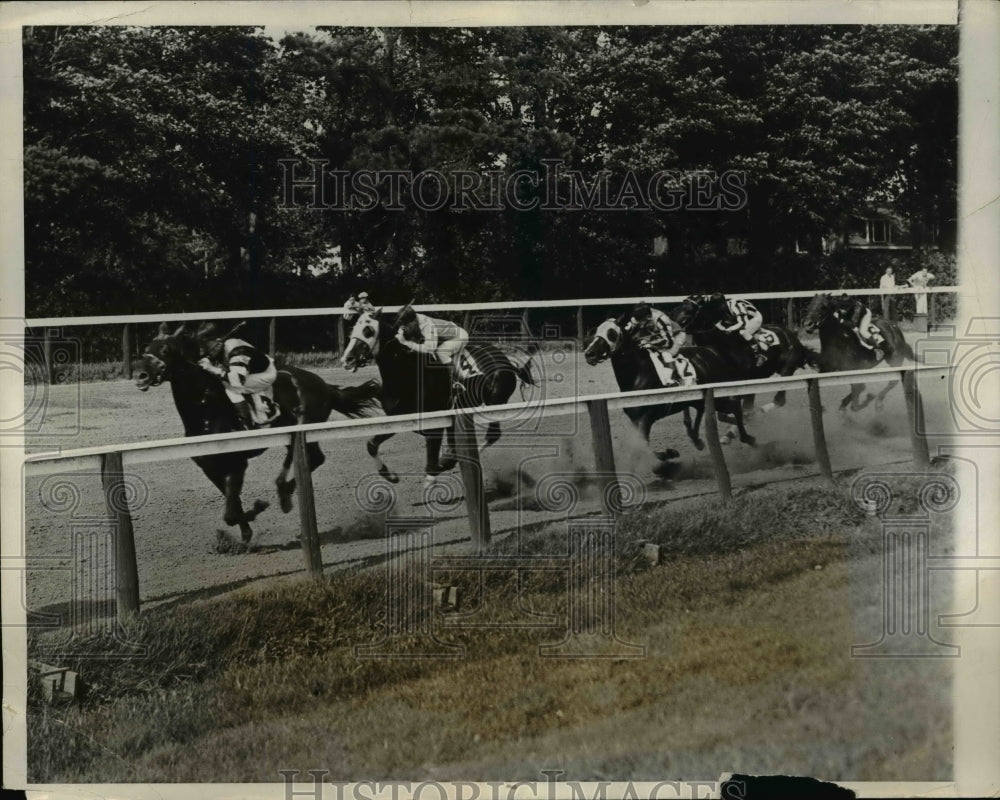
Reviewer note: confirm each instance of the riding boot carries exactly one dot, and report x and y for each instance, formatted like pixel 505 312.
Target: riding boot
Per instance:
pixel 244 415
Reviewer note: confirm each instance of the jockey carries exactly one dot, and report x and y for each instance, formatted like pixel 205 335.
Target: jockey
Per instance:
pixel 742 317
pixel 857 316
pixel 355 307
pixel 656 332
pixel 423 334
pixel 244 369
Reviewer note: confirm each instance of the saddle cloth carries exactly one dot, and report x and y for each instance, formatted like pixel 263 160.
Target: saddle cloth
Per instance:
pixel 664 368
pixel 263 409
pixel 767 338
pixel 466 365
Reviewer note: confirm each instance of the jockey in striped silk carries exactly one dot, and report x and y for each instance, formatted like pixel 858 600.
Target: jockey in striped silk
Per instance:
pixel 742 317
pixel 243 368
pixel 857 316
pixel 656 332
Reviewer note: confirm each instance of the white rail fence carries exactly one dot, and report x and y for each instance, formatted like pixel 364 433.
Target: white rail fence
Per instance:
pixel 111 460
pixel 526 306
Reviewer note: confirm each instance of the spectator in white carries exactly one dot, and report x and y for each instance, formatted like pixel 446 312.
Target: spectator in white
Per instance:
pixel 919 280
pixel 887 285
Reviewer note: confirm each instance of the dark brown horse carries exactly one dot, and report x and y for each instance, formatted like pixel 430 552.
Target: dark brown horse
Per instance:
pixel 204 408
pixel 634 371
pixel 414 383
pixel 840 349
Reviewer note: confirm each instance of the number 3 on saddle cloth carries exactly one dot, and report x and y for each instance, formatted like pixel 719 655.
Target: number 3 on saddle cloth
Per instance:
pixel 672 371
pixel 465 367
pixel 764 340
pixel 263 409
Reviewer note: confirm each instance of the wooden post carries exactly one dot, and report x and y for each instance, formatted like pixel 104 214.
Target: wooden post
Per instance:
pixel 715 448
pixel 467 452
pixel 930 312
pixel 307 507
pixel 340 335
pixel 127 351
pixel 525 324
pixel 47 356
pixel 272 337
pixel 790 314
pixel 915 413
pixel 116 499
pixel 580 333
pixel 604 455
pixel 819 435
pixel 467 320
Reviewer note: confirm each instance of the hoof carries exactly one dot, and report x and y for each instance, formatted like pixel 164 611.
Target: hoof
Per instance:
pixel 285 501
pixel 388 474
pixel 447 462
pixel 749 440
pixel 665 455
pixel 699 444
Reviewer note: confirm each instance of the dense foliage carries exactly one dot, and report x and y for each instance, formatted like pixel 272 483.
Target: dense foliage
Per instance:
pixel 156 158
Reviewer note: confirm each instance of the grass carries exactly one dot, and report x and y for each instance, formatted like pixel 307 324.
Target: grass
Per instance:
pixel 745 626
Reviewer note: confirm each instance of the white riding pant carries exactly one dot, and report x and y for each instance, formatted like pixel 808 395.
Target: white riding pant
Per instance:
pixel 448 350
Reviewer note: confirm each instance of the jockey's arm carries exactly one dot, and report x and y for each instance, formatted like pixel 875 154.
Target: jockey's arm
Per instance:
pixel 430 334
pixel 207 365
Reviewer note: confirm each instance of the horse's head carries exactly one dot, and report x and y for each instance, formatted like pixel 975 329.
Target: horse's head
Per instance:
pixel 364 343
pixel 161 354
pixel 606 341
pixel 820 308
pixel 688 311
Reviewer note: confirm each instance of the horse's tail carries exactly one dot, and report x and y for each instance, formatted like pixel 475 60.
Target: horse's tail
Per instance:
pixel 524 373
pixel 355 401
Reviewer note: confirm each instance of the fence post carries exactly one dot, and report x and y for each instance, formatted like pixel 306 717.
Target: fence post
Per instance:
pixel 579 325
pixel 604 454
pixel 715 447
pixel 930 312
pixel 127 351
pixel 272 337
pixel 525 323
pixel 116 499
pixel 307 507
pixel 466 320
pixel 467 452
pixel 47 355
pixel 340 335
pixel 790 314
pixel 915 413
pixel 819 435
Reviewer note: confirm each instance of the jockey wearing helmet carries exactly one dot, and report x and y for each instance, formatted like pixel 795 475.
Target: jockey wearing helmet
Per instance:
pixel 742 317
pixel 244 369
pixel 356 306
pixel 656 332
pixel 857 316
pixel 423 334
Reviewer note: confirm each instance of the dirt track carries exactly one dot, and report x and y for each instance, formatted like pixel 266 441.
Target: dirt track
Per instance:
pixel 176 528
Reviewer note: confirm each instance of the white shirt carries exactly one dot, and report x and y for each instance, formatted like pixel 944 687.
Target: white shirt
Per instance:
pixel 887 282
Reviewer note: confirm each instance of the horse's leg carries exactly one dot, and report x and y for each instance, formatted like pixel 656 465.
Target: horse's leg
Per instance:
pixel 432 465
pixel 745 437
pixel 372 447
pixel 644 424
pixel 860 406
pixel 492 434
pixel 880 398
pixel 234 505
pixel 286 488
pixel 693 429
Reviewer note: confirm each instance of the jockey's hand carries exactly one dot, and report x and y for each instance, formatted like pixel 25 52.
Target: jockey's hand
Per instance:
pixel 236 377
pixel 207 365
pixel 401 338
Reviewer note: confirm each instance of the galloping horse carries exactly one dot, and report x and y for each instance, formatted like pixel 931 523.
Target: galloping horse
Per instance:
pixel 414 383
pixel 204 408
pixel 634 371
pixel 840 349
pixel 785 355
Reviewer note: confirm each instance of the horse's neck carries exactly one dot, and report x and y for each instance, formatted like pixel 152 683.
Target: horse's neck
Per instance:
pixel 189 385
pixel 634 369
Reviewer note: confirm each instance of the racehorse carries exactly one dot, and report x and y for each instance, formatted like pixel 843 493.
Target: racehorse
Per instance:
pixel 204 408
pixel 414 383
pixel 841 350
pixel 784 356
pixel 634 371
